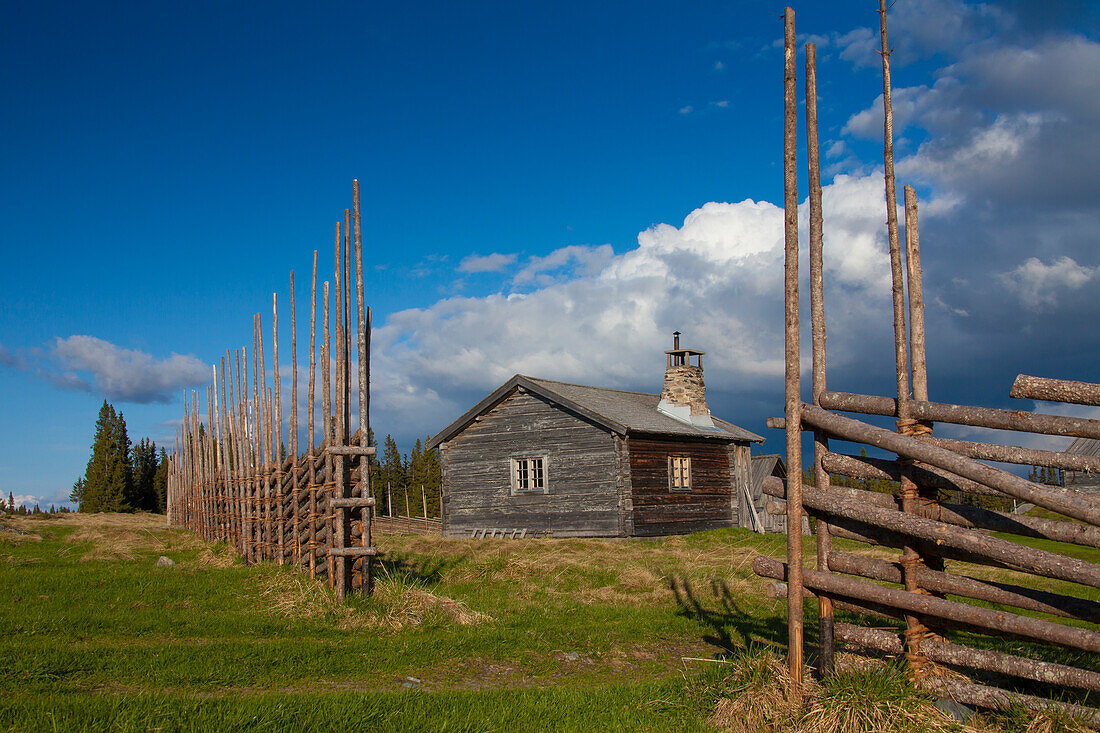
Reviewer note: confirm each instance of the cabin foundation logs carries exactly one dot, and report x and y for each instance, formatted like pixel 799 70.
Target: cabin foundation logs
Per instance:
pixel 946 501
pixel 233 477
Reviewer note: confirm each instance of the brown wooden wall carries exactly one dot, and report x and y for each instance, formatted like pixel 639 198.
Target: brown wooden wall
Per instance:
pixel 658 511
pixel 584 492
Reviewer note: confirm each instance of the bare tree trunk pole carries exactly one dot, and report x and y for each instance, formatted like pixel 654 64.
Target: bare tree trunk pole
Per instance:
pixel 312 410
pixel 326 415
pixel 277 434
pixel 364 390
pixel 295 492
pixel 817 326
pixel 792 367
pixel 916 297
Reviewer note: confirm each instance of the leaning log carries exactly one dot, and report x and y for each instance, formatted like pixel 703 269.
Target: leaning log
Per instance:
pixel 972 517
pixel 982 417
pixel 984 660
pixel 1055 390
pixel 987 548
pixel 989 591
pixel 1069 503
pixel 939 608
pixel 996 699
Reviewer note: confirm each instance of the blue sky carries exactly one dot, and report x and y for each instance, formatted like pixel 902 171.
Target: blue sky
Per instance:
pixel 546 189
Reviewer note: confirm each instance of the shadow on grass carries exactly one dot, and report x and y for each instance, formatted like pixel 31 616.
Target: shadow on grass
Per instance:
pixel 732 625
pixel 427 571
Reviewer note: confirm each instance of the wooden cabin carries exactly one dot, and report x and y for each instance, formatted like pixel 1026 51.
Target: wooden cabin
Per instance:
pixel 545 458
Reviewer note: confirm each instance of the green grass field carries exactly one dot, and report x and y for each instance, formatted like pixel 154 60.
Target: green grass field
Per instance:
pixel 461 634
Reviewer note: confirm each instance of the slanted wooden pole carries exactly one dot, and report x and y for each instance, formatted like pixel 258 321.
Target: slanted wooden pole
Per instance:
pixel 295 491
pixel 792 361
pixel 916 297
pixel 312 410
pixel 817 328
pixel 257 447
pixel 363 343
pixel 277 434
pixel 341 564
pixel 911 559
pixel 326 410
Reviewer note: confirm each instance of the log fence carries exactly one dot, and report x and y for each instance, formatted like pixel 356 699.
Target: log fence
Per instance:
pixel 232 476
pixel 920 591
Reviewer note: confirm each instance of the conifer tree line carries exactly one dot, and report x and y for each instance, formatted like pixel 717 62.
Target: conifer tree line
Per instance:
pixel 23 511
pixel 120 476
pixel 397 476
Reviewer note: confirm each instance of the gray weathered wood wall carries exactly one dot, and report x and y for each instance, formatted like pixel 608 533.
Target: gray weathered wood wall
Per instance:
pixel 583 490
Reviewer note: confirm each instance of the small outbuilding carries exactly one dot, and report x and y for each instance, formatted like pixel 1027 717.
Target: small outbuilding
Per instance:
pixel 1083 480
pixel 549 458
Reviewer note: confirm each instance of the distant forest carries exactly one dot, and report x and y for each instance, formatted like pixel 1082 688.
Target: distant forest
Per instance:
pixel 405 484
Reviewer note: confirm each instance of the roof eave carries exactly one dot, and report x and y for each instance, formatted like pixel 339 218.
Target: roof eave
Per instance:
pixel 498 395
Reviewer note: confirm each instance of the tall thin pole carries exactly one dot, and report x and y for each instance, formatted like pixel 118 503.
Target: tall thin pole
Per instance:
pixel 326 415
pixel 817 327
pixel 312 462
pixel 364 388
pixel 916 297
pixel 295 498
pixel 347 318
pixel 910 559
pixel 792 363
pixel 277 435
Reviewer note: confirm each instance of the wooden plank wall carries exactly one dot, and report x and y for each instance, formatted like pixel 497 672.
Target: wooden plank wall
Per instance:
pixel 581 473
pixel 659 511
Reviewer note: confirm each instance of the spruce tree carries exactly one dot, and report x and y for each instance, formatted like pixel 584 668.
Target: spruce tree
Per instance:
pixel 144 472
pixel 11 502
pixel 76 496
pixel 160 483
pixel 121 487
pixel 97 473
pixel 393 468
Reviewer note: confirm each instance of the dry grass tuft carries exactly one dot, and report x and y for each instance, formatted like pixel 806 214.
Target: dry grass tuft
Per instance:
pixel 217 556
pixel 408 606
pixel 1045 722
pixel 397 604
pixel 758 696
pixel 879 698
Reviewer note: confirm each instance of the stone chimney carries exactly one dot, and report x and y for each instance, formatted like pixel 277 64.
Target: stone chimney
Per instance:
pixel 684 395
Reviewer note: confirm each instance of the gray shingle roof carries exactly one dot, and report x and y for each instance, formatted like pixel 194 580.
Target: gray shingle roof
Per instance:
pixel 618 410
pixel 1085 447
pixel 761 467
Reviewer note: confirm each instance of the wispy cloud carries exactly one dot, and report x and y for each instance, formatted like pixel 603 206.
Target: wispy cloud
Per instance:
pixel 1039 284
pixel 495 262
pixel 90 364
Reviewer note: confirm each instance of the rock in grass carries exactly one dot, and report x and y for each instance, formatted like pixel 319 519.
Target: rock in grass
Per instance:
pixel 164 562
pixel 958 711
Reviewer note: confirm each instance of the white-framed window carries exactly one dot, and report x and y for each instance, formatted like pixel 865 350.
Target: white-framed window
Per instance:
pixel 679 473
pixel 529 475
